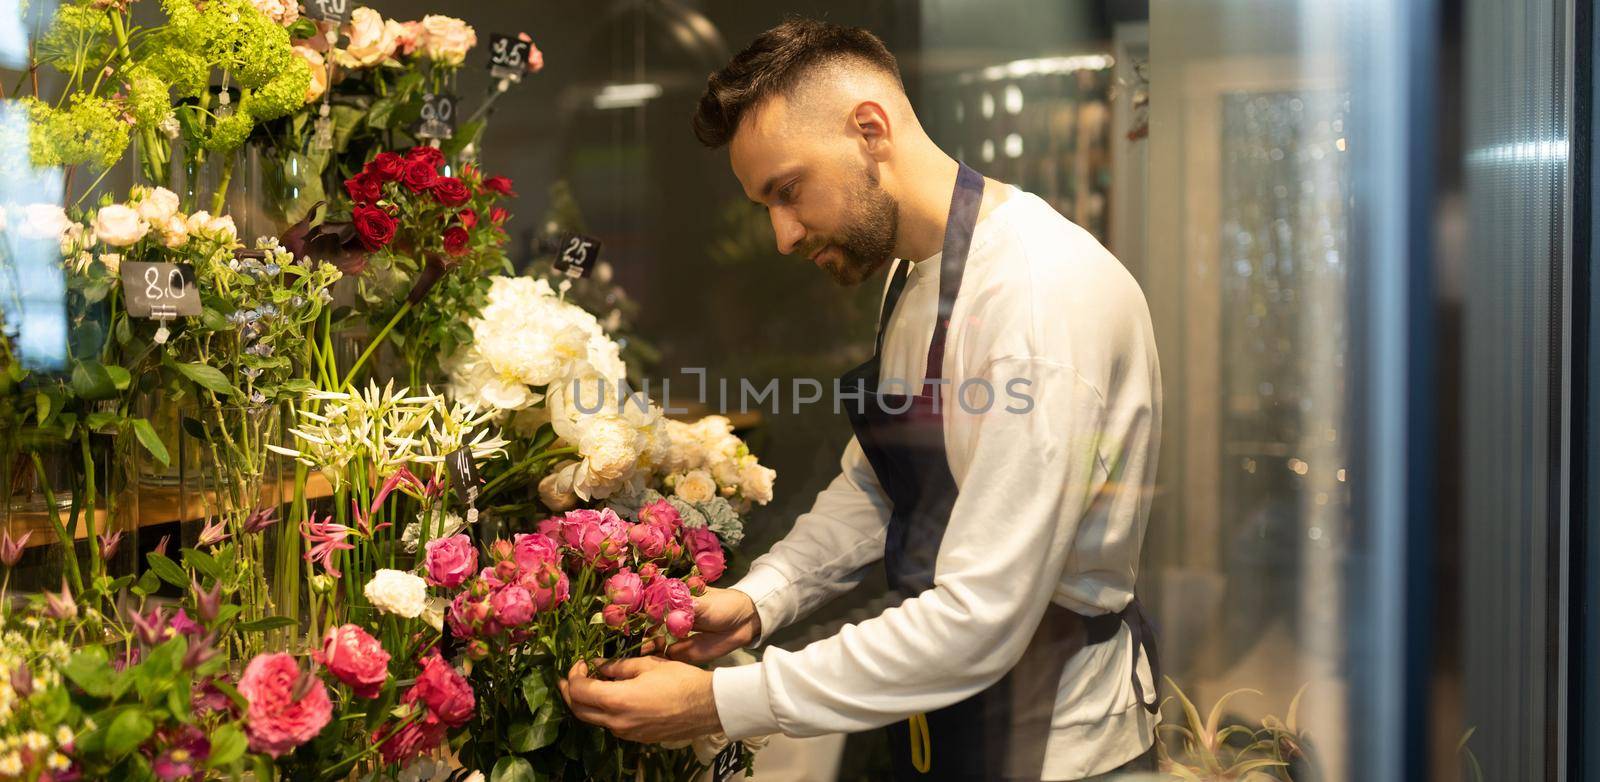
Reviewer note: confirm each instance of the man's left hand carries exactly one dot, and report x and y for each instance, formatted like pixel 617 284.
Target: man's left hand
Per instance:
pixel 644 699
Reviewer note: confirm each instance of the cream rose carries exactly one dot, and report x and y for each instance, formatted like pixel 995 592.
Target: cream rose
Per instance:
pixel 408 36
pixel 112 262
pixel 397 592
pixel 755 482
pixel 284 12
pixel 319 71
pixel 555 490
pixel 174 232
pixel 446 39
pixel 157 205
pixel 119 225
pixel 695 486
pixel 372 40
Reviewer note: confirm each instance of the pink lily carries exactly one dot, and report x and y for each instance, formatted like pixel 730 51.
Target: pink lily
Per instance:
pixel 213 532
pixel 11 550
pixel 161 545
pixel 61 606
pixel 326 538
pixel 364 520
pixel 260 520
pixel 109 543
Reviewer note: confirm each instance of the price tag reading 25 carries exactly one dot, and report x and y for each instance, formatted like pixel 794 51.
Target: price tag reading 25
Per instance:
pixel 578 255
pixel 159 290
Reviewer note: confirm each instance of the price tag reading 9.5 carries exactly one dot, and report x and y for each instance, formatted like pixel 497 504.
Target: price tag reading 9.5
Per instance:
pixel 438 119
pixel 578 255
pixel 336 11
pixel 159 290
pixel 508 57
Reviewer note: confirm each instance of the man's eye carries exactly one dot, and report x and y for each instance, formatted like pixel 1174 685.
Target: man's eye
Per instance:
pixel 786 195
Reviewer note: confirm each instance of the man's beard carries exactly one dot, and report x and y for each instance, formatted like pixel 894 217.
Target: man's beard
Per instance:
pixel 866 244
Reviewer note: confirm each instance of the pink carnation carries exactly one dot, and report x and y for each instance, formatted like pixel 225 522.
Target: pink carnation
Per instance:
pixel 354 657
pixel 409 742
pixel 451 561
pixel 277 721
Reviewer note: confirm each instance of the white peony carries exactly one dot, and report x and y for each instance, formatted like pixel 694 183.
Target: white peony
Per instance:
pixel 446 39
pixel 397 592
pixel 372 40
pixel 755 482
pixel 158 205
pixel 119 225
pixel 696 486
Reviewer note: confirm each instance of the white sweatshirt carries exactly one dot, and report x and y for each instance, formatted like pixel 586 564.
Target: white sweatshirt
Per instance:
pixel 1052 507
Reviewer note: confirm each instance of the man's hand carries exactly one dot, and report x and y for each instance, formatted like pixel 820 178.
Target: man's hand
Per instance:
pixel 647 699
pixel 724 620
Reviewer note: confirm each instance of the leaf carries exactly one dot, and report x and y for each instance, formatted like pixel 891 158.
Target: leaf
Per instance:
pixel 202 562
pixel 119 377
pixel 91 381
pixel 150 440
pixel 233 694
pixel 266 623
pixel 101 421
pixel 125 733
pixel 227 745
pixel 41 403
pixel 536 733
pixel 90 669
pixel 208 377
pixel 535 690
pixel 511 769
pixel 167 570
pixel 149 582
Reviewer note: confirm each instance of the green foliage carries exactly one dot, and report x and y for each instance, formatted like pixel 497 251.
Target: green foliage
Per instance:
pixel 89 130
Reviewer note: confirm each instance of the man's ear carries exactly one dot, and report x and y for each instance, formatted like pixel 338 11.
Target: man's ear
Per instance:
pixel 871 123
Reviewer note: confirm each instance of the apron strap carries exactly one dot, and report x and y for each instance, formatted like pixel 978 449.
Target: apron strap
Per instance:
pixel 964 203
pixel 1144 643
pixel 897 283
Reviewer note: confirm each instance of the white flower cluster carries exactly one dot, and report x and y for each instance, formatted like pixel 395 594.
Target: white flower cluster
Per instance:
pixel 388 430
pixel 706 459
pixel 16 734
pixel 620 440
pixel 397 592
pixel 151 213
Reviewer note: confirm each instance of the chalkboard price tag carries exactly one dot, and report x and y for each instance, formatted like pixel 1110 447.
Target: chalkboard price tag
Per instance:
pixel 438 119
pixel 463 475
pixel 159 290
pixel 508 57
pixel 578 256
pixel 336 11
pixel 727 764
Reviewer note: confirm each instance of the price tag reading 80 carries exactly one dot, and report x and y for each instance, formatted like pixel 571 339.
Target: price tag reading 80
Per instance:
pixel 438 120
pixel 508 57
pixel 159 290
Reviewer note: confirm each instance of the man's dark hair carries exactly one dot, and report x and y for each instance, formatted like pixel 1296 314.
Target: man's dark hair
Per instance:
pixel 773 64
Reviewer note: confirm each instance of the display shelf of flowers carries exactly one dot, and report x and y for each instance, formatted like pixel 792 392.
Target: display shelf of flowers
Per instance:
pixel 385 556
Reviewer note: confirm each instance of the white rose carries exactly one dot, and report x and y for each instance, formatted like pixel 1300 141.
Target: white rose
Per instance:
pixel 371 40
pixel 696 486
pixel 119 225
pixel 319 71
pixel 112 262
pixel 158 206
pixel 397 592
pixel 446 39
pixel 197 222
pixel 222 229
pixel 755 483
pixel 44 221
pixel 174 232
pixel 555 490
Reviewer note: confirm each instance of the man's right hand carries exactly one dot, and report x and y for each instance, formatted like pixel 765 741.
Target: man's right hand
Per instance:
pixel 724 620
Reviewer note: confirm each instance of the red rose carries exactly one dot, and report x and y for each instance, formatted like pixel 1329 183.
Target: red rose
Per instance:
pixel 388 166
pixel 374 225
pixel 455 240
pixel 354 657
pixel 446 692
pixel 276 720
pixel 498 215
pixel 469 219
pixel 500 185
pixel 364 188
pixel 430 155
pixel 419 175
pixel 450 191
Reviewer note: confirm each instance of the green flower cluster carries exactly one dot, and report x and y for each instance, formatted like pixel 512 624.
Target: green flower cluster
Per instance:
pixel 79 34
pixel 149 100
pixel 89 129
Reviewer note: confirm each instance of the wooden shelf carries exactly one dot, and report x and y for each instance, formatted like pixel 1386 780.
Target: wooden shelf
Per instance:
pixel 160 505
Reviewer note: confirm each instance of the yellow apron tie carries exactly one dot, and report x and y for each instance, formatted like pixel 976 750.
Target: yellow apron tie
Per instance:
pixel 921 744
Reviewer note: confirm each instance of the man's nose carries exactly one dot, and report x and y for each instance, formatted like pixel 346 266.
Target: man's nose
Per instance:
pixel 787 230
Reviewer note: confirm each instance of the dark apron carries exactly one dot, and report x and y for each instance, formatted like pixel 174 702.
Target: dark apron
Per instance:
pixel 1000 733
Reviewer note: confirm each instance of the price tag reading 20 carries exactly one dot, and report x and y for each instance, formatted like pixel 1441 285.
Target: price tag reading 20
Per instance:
pixel 438 119
pixel 508 57
pixel 159 290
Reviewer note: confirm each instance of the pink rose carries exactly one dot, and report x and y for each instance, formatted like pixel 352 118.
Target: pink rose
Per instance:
pixel 548 586
pixel 407 37
pixel 451 561
pixel 615 615
pixel 625 589
pixel 534 551
pixel 599 537
pixel 650 540
pixel 700 539
pixel 666 595
pixel 513 606
pixel 711 564
pixel 550 528
pixel 460 616
pixel 648 572
pixel 661 512
pixel 679 623
pixel 444 690
pixel 354 657
pixel 277 721
pixel 490 578
pixel 408 743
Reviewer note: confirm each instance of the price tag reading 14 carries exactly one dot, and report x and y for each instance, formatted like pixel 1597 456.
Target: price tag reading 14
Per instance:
pixel 159 290
pixel 508 57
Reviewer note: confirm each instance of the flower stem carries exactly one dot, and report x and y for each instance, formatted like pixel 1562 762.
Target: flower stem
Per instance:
pixel 376 341
pixel 68 545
